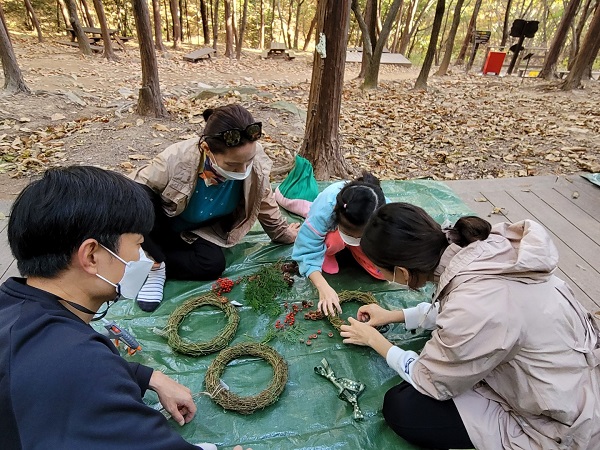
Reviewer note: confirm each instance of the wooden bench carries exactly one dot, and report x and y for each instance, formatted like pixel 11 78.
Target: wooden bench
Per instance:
pixel 201 53
pixel 93 46
pixel 386 58
pixel 278 50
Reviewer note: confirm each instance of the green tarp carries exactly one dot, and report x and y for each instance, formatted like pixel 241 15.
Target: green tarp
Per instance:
pixel 593 177
pixel 308 415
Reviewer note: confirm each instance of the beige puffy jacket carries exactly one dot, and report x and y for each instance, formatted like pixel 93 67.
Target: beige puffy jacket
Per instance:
pixel 173 175
pixel 513 348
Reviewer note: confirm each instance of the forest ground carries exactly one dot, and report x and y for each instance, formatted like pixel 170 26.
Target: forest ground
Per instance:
pixel 463 127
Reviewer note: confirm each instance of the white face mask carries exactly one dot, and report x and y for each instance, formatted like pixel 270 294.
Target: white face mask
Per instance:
pixel 232 175
pixel 395 284
pixel 134 277
pixel 349 240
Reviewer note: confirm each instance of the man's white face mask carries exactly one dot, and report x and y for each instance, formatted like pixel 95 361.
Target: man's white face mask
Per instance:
pixel 134 277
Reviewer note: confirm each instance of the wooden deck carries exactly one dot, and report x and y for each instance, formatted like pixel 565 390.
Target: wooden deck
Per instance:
pixel 569 207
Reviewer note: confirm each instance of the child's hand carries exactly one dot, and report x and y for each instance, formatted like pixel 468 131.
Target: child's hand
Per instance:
pixel 329 301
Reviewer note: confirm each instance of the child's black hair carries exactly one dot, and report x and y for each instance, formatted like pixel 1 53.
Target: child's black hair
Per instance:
pixel 358 200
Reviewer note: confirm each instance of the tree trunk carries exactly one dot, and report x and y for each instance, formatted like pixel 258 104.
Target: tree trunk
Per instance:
pixel 234 24
pixel 283 27
pixel 368 28
pixel 272 35
pixel 313 23
pixel 321 145
pixel 158 43
pixel 13 78
pixel 3 20
pixel 88 14
pixel 228 29
pixel 215 25
pixel 82 40
pixel 586 55
pixel 108 49
pixel 373 49
pixel 149 100
pixel 585 14
pixel 183 13
pixel 65 14
pixel 297 28
pixel 443 69
pixel 460 60
pixel 238 49
pixel 406 31
pixel 421 82
pixel 176 25
pixel 505 29
pixel 34 20
pixel 549 70
pixel 261 25
pixel 396 41
pixel 205 29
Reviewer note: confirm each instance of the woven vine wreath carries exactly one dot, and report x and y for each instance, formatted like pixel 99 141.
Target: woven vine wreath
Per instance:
pixel 177 343
pixel 246 405
pixel 350 296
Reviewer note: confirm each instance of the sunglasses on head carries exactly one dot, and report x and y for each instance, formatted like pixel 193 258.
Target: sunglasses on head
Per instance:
pixel 233 137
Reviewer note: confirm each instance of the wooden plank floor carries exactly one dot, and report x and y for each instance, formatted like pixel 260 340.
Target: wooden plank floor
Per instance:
pixel 568 207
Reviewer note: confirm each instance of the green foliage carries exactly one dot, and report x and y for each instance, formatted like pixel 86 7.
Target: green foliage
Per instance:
pixel 263 288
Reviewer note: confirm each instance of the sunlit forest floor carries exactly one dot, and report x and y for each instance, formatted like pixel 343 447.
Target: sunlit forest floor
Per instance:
pixel 463 127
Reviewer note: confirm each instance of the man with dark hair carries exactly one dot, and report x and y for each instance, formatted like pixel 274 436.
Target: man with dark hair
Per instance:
pixel 76 236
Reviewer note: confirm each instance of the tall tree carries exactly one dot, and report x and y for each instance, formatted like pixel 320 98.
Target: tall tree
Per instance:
pixel 460 60
pixel 369 27
pixel 82 39
pixel 549 70
pixel 586 55
pixel 228 28
pixel 108 48
pixel 205 29
pixel 34 20
pixel 373 53
pixel 158 43
pixel 238 48
pixel 421 82
pixel 13 78
pixel 313 23
pixel 505 29
pixel 321 145
pixel 261 25
pixel 174 6
pixel 586 11
pixel 88 14
pixel 149 99
pixel 215 24
pixel 297 28
pixel 443 69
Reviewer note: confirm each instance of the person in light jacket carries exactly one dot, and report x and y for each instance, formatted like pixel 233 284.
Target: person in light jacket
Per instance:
pixel 513 360
pixel 208 192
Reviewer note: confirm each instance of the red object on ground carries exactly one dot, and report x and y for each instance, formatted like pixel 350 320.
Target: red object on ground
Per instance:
pixel 493 62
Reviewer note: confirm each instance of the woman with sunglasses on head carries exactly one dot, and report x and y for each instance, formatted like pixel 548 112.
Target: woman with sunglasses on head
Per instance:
pixel 513 360
pixel 208 192
pixel 335 222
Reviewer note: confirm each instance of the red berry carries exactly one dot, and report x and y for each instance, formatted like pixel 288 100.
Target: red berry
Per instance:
pixel 318 331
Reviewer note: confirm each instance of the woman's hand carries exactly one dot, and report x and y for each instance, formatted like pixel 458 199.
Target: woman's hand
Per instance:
pixel 175 398
pixel 359 333
pixel 376 316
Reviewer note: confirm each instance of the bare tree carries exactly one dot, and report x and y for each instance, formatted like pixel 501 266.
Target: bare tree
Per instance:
pixel 367 25
pixel 297 28
pixel 468 36
pixel 505 29
pixel 149 99
pixel 586 55
pixel 586 11
pixel 108 48
pixel 313 23
pixel 238 48
pixel 205 29
pixel 174 6
pixel 215 25
pixel 321 145
pixel 82 39
pixel 373 53
pixel 421 82
pixel 549 70
pixel 88 15
pixel 443 69
pixel 228 29
pixel 13 78
pixel 158 43
pixel 34 20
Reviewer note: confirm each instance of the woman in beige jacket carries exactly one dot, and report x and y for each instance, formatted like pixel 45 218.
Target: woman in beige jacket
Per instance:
pixel 208 192
pixel 513 361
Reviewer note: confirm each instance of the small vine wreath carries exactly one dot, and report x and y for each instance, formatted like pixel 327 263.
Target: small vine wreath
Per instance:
pixel 177 343
pixel 348 296
pixel 246 405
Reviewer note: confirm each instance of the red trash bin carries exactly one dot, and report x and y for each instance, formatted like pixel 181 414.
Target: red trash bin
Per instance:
pixel 493 63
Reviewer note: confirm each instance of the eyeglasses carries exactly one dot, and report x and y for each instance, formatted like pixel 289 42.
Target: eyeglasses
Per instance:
pixel 233 137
